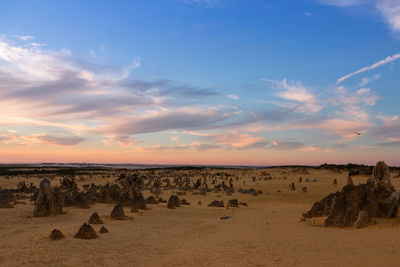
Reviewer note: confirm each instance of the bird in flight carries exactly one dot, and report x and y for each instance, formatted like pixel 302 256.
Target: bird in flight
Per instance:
pixel 358 133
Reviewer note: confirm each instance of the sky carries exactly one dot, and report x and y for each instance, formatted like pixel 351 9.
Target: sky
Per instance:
pixel 235 82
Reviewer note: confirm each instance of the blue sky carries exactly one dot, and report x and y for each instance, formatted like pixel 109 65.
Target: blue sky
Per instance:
pixel 200 81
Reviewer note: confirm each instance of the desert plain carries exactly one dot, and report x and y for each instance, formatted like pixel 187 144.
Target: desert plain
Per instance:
pixel 268 231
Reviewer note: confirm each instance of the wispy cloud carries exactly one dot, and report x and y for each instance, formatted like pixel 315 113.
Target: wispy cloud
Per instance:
pixel 342 3
pixel 175 139
pixel 389 144
pixel 168 88
pixel 57 140
pixel 297 93
pixel 205 3
pixel 194 147
pixel 25 37
pixel 388 132
pixel 388 9
pixel 42 87
pixel 363 147
pixel 367 80
pixel 166 149
pixel 235 139
pixel 315 149
pixel 369 68
pixel 337 127
pixel 37 45
pixel 239 140
pixel 282 145
pixel 74 101
pixel 124 141
pixel 353 104
pixel 234 97
pixel 176 119
pixel 286 145
pixel 348 110
pixel 40 138
pixel 205 147
pixel 12 138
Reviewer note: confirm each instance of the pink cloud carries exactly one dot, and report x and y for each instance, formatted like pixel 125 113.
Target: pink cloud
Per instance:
pixel 341 128
pixel 233 139
pixel 315 149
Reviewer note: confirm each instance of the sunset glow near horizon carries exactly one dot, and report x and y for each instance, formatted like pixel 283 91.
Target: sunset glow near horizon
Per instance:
pixel 211 82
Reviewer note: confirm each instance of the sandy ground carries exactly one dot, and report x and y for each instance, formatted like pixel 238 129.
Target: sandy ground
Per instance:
pixel 266 233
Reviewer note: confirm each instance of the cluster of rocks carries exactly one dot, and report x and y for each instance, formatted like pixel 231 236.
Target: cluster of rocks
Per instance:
pixel 250 191
pixel 86 231
pixel 126 192
pixel 358 204
pixel 231 203
pixel 51 200
pixel 217 203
